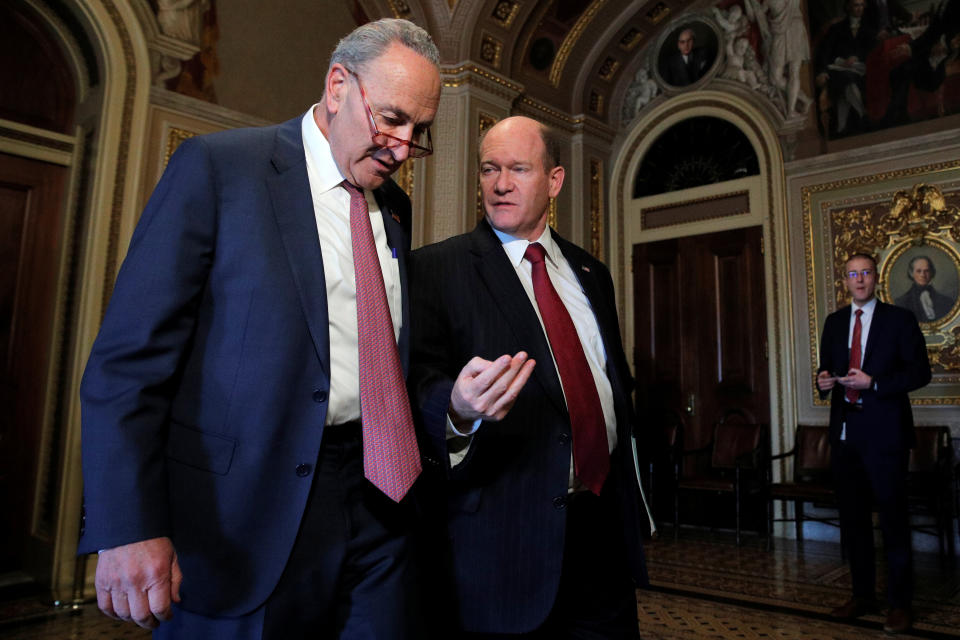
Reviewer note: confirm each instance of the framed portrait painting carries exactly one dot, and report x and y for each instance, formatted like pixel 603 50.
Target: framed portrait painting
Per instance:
pixel 910 222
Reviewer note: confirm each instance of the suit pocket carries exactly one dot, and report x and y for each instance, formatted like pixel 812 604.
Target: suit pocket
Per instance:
pixel 195 448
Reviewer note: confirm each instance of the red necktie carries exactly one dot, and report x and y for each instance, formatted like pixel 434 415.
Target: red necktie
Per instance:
pixel 855 355
pixel 391 459
pixel 591 457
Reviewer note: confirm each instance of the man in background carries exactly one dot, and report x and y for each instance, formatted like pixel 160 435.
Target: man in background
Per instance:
pixel 871 356
pixel 247 437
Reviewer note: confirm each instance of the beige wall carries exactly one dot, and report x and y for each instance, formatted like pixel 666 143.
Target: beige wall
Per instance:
pixel 273 57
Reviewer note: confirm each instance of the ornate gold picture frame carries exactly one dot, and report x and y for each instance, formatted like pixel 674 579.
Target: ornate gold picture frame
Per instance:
pixel 910 221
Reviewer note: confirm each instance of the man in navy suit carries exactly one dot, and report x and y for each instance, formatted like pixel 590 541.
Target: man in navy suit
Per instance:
pixel 544 533
pixel 871 355
pixel 229 484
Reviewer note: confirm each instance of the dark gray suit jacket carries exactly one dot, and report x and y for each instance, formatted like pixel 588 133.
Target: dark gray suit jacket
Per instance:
pixel 505 503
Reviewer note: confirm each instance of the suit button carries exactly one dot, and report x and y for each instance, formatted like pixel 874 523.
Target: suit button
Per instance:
pixel 303 470
pixel 560 502
pixel 563 438
pixel 319 395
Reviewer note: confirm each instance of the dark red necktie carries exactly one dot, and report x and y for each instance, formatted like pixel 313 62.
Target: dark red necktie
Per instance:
pixel 391 459
pixel 591 457
pixel 855 355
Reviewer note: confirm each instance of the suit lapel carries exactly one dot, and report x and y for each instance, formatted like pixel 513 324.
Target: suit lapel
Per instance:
pixel 591 288
pixel 841 341
pixel 500 279
pixel 876 328
pixel 293 208
pixel 397 240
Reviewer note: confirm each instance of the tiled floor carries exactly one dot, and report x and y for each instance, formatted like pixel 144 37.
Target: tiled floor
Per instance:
pixel 703 588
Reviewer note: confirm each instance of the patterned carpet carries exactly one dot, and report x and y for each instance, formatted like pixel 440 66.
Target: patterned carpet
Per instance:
pixel 710 588
pixel 702 588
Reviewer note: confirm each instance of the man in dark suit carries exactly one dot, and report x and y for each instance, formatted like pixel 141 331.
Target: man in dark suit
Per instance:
pixel 871 355
pixel 841 63
pixel 222 436
pixel 689 63
pixel 544 511
pixel 926 303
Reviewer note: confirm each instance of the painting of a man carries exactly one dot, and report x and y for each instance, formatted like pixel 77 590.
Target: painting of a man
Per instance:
pixel 922 298
pixel 688 62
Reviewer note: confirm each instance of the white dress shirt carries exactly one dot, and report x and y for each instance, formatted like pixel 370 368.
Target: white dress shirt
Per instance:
pixel 865 319
pixel 331 203
pixel 581 313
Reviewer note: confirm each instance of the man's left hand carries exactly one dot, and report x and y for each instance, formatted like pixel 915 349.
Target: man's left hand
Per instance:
pixel 856 379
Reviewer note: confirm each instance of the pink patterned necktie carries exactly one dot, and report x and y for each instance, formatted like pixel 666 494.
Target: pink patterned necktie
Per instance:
pixel 391 459
pixel 591 457
pixel 852 394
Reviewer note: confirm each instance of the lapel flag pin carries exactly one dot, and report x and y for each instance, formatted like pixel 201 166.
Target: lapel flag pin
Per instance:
pixel 395 217
pixel 585 268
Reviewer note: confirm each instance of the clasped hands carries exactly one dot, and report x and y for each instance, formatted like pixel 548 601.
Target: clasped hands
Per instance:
pixel 855 379
pixel 486 389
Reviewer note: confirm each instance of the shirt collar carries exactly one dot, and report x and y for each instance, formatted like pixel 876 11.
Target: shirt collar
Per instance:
pixel 868 307
pixel 318 151
pixel 516 247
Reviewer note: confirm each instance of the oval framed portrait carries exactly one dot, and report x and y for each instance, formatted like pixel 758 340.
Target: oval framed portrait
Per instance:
pixel 687 53
pixel 924 279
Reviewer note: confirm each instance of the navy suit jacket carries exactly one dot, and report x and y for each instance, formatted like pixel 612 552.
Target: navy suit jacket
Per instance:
pixel 896 358
pixel 505 515
pixel 205 395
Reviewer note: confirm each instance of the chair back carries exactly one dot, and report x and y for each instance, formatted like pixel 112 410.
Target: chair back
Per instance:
pixel 812 459
pixel 931 452
pixel 734 442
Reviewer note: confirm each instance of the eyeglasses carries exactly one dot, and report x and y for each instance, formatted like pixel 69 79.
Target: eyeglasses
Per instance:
pixel 863 272
pixel 388 141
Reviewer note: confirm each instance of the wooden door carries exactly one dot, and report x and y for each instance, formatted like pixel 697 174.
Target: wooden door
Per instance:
pixel 700 330
pixel 31 232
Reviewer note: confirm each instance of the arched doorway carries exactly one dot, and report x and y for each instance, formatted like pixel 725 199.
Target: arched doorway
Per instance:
pixel 717 240
pixel 32 229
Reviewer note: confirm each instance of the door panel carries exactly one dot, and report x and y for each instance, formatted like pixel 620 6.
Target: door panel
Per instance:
pixel 700 322
pixel 31 231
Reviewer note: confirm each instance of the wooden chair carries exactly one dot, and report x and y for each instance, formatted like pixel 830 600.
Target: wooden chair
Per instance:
pixel 929 487
pixel 737 467
pixel 811 481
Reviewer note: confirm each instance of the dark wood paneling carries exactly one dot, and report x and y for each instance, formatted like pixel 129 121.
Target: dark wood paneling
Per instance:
pixel 700 322
pixel 31 224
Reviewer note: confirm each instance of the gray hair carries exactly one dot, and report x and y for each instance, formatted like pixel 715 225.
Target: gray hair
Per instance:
pixel 368 42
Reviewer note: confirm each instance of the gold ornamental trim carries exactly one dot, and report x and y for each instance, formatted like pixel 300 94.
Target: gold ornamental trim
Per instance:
pixel 505 12
pixel 474 70
pixel 484 122
pixel 571 39
pixel 596 208
pixel 892 225
pixel 175 136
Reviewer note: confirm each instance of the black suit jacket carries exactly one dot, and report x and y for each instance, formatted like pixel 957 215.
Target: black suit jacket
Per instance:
pixel 840 42
pixel 896 358
pixel 680 73
pixel 206 392
pixel 505 502
pixel 911 300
